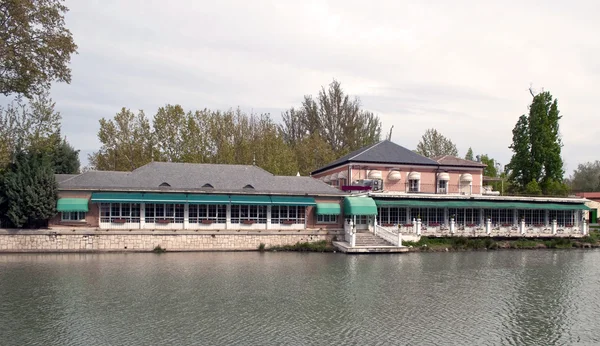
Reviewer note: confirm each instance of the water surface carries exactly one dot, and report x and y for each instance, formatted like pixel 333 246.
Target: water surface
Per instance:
pixel 477 298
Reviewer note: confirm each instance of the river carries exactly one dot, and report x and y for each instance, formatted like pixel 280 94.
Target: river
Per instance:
pixel 540 297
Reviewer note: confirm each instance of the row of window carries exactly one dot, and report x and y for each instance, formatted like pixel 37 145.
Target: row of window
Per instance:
pixel 466 216
pixel 174 213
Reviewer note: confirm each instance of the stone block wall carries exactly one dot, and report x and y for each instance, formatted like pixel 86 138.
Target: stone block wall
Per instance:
pixel 102 241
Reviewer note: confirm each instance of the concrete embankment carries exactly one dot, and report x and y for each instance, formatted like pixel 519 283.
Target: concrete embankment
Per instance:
pixel 92 240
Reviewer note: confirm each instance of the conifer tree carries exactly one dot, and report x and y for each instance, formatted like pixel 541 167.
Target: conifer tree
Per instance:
pixel 469 155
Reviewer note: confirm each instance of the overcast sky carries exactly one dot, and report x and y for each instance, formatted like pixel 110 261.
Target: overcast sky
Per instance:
pixel 462 67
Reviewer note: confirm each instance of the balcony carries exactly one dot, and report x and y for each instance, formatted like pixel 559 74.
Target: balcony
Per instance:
pixel 435 189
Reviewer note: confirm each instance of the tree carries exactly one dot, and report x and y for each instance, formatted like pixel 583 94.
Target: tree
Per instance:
pixel 333 116
pixel 35 46
pixel 434 144
pixel 537 147
pixel 65 158
pixel 169 125
pixel 469 155
pixel 586 177
pixel 490 170
pixel 30 190
pixel 127 142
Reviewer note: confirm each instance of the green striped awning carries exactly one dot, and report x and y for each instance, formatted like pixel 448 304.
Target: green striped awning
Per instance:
pixel 478 204
pixel 328 209
pixel 250 200
pixel 117 197
pixel 208 199
pixel 72 204
pixel 168 198
pixel 359 206
pixel 292 200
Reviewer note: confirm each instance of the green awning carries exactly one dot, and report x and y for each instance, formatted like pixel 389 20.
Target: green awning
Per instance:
pixel 292 200
pixel 359 206
pixel 250 200
pixel 328 209
pixel 72 204
pixel 416 203
pixel 208 199
pixel 116 197
pixel 168 198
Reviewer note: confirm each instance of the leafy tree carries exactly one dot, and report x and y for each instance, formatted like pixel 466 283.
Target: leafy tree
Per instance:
pixel 169 124
pixel 469 155
pixel 333 116
pixel 491 170
pixel 127 142
pixel 35 46
pixel 434 144
pixel 533 188
pixel 586 177
pixel 30 189
pixel 537 147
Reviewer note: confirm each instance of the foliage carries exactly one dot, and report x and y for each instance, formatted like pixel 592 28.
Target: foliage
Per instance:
pixel 35 46
pixel 261 247
pixel 537 147
pixel 30 189
pixel 469 155
pixel 35 125
pixel 491 170
pixel 434 144
pixel 159 249
pixel 318 246
pixel 533 188
pixel 586 177
pixel 335 119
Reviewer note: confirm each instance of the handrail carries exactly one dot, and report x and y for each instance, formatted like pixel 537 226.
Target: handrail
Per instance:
pixel 389 236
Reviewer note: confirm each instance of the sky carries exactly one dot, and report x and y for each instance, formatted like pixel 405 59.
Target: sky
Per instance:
pixel 462 67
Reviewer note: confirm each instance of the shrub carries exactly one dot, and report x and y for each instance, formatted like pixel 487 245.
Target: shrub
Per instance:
pixel 261 247
pixel 158 249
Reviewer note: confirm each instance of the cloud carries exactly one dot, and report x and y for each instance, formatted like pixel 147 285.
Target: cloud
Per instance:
pixel 463 67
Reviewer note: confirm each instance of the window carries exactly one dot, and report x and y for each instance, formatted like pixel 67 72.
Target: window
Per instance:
pixel 500 216
pixel 249 214
pixel 73 216
pixel 214 213
pixel 429 216
pixel 413 185
pixel 327 218
pixel 288 214
pixel 563 217
pixel 160 212
pixel 120 212
pixel 442 186
pixel 391 215
pixel 533 217
pixel 465 216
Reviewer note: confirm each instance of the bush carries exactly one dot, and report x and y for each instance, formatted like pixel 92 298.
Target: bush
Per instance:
pixel 261 247
pixel 158 249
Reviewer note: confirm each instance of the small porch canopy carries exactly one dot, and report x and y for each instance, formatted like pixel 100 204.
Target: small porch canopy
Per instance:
pixel 72 204
pixel 328 209
pixel 478 204
pixel 359 206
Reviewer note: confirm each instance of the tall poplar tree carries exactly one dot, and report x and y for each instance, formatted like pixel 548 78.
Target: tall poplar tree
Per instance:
pixel 536 147
pixel 469 155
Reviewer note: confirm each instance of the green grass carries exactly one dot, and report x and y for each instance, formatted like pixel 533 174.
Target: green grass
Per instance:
pixel 319 246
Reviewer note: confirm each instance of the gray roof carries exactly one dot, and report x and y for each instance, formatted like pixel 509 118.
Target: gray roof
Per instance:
pixel 385 152
pixel 448 160
pixel 193 177
pixel 62 177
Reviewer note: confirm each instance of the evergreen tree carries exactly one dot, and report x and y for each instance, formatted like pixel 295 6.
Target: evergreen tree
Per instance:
pixel 537 148
pixel 30 190
pixel 469 155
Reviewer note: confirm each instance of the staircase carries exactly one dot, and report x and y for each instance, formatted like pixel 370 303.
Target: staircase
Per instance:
pixel 367 242
pixel 369 239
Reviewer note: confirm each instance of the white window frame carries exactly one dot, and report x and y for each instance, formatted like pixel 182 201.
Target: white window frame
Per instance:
pixel 216 213
pixel 294 213
pixel 327 219
pixel 414 185
pixel 68 216
pixel 164 211
pixel 442 187
pixel 245 212
pixel 114 211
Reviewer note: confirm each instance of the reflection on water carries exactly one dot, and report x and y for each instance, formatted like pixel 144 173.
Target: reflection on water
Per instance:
pixel 477 298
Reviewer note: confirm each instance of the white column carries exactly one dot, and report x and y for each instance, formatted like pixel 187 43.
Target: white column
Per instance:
pixel 353 232
pixel 488 226
pixel 186 216
pixel 418 226
pixel 268 217
pixel 553 226
pixel 414 225
pixel 228 217
pixel 399 239
pixel 584 227
pixel 452 225
pixel 522 226
pixel 142 215
pixel 374 225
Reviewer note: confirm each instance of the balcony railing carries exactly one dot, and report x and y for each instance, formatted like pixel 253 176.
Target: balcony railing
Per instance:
pixel 436 189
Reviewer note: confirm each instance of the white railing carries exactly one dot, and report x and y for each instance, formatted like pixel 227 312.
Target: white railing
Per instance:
pixel 388 235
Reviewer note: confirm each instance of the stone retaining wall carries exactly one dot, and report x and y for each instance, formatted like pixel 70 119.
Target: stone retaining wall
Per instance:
pixel 103 241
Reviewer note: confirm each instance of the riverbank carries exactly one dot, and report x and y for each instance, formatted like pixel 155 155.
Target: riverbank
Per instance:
pixel 466 244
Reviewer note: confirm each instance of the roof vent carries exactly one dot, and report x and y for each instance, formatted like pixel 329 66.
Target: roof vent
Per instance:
pixel 248 187
pixel 164 184
pixel 207 186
